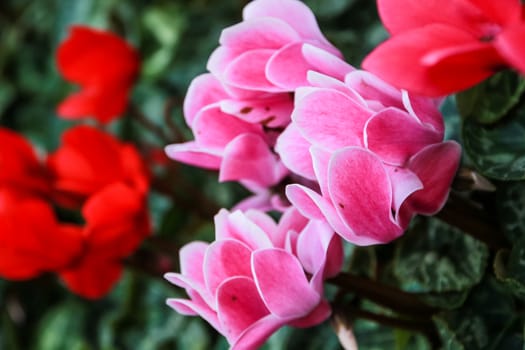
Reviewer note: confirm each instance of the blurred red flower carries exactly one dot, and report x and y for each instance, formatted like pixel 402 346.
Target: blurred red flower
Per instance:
pixel 89 160
pixel 105 67
pixel 20 167
pixel 116 223
pixel 32 240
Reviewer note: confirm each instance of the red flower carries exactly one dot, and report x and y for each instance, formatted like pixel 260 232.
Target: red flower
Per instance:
pixel 32 241
pixel 19 165
pixel 105 67
pixel 89 160
pixel 440 47
pixel 116 223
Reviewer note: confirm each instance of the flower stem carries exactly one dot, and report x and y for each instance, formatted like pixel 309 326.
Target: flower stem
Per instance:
pixel 472 220
pixel 382 294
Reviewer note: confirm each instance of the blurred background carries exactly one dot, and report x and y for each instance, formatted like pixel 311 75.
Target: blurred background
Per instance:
pixel 174 39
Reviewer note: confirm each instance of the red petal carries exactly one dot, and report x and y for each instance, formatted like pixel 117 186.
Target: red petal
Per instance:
pixel 435 60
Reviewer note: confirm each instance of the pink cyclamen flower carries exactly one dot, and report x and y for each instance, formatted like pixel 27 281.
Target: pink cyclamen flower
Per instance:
pixel 438 48
pixel 266 52
pixel 237 112
pixel 377 154
pixel 258 276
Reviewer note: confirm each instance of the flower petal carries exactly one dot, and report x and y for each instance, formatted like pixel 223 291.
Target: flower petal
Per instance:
pixel 204 90
pixel 293 12
pixel 362 194
pixel 225 259
pixel 434 60
pixel 293 149
pixel 436 166
pixel 282 283
pixel 248 157
pixel 258 33
pixel 248 71
pixel 194 154
pixel 395 136
pixel 287 68
pixel 402 15
pixel 330 119
pixel 240 306
pixel 511 46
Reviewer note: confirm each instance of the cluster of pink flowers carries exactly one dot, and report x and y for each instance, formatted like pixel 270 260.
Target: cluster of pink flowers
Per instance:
pixel 358 157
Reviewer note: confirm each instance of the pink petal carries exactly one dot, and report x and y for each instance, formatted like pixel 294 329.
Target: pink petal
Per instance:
pixel 374 90
pixel 194 154
pixel 219 60
pixel 240 306
pixel 425 110
pixel 317 316
pixel 255 335
pixel 272 112
pixel 312 205
pixel 404 183
pixel 204 90
pixel 191 259
pixel 402 15
pixel 293 149
pixel 215 129
pixel 330 119
pixel 248 157
pixel 324 81
pixel 321 158
pixel 293 12
pixel 511 46
pixel 248 71
pixel 194 308
pixel 435 60
pixel 282 283
pixel 258 33
pixel 238 227
pixel 290 221
pixel 312 247
pixel 436 166
pixel 260 201
pixel 224 259
pixel 326 62
pixel 287 68
pixel 395 136
pixel 362 194
pixel 263 220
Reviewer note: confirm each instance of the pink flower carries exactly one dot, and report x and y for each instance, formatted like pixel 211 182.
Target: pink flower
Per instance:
pixel 234 137
pixel 266 51
pixel 438 48
pixel 258 276
pixel 105 67
pixel 237 112
pixel 376 153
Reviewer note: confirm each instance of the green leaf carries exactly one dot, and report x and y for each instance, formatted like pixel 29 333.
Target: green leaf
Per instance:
pixel 435 257
pixel 497 151
pixel 510 202
pixel 509 267
pixel 62 328
pixel 487 320
pixel 490 100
